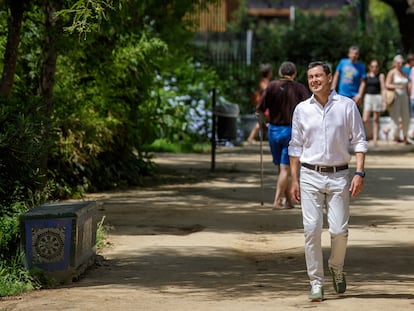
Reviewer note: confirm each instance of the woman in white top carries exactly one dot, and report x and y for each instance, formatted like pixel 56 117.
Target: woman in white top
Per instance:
pixel 411 91
pixel 399 112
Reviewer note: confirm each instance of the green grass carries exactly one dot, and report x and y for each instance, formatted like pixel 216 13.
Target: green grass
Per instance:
pixel 14 279
pixel 101 233
pixel 162 145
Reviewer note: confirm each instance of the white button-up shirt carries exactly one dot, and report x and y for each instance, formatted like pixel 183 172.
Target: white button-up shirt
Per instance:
pixel 322 135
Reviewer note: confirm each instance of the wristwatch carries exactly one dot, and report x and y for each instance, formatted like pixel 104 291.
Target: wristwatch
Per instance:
pixel 362 174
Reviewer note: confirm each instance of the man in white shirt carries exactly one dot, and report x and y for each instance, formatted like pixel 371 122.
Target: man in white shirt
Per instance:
pixel 323 128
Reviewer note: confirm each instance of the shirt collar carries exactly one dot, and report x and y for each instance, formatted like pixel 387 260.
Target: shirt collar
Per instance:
pixel 333 96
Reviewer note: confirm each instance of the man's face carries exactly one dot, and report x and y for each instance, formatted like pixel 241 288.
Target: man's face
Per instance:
pixel 318 80
pixel 353 55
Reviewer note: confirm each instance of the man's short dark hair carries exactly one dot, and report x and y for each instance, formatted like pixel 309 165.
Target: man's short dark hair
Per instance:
pixel 287 69
pixel 266 70
pixel 325 66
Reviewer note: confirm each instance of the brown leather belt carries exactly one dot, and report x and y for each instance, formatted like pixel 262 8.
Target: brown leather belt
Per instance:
pixel 325 169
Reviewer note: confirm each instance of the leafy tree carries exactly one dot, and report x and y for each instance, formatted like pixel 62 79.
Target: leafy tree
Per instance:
pixel 15 19
pixel 84 107
pixel 96 90
pixel 117 74
pixel 405 15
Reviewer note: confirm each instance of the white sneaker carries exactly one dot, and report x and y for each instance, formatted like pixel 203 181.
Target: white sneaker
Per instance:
pixel 316 293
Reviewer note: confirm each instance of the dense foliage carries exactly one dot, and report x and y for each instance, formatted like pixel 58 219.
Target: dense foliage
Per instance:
pixel 115 90
pixel 124 82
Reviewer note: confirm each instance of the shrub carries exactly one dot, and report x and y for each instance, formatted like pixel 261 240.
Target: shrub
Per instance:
pixel 20 150
pixel 14 279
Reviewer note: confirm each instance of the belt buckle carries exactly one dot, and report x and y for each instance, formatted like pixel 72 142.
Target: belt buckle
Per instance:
pixel 320 169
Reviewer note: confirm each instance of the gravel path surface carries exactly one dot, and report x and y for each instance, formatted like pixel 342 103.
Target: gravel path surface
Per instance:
pixel 194 240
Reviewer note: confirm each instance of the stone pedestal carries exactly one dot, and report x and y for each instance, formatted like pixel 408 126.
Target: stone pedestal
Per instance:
pixel 60 238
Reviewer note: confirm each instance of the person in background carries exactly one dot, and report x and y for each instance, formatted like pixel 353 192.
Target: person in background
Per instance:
pixel 349 76
pixel 409 64
pixel 411 88
pixel 281 98
pixel 397 80
pixel 266 74
pixel 374 100
pixel 407 68
pixel 324 127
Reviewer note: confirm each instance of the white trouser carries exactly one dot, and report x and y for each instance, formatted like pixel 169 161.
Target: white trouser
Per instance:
pixel 400 112
pixel 319 191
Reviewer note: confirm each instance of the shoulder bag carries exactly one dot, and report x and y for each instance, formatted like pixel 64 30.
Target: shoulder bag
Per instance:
pixel 390 97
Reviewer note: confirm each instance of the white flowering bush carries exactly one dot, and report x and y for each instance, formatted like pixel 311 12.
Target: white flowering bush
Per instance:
pixel 185 100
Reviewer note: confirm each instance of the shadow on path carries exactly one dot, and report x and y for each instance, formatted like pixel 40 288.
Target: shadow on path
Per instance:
pixel 187 199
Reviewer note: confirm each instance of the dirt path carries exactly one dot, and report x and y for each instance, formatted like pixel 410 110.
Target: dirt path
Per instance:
pixel 197 240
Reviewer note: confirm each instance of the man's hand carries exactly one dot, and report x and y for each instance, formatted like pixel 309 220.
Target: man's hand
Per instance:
pixel 356 185
pixel 357 182
pixel 295 192
pixel 357 99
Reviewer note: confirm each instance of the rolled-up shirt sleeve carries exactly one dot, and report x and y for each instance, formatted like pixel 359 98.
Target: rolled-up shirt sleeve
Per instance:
pixel 358 140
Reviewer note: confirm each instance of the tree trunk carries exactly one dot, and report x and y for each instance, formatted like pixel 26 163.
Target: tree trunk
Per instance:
pixel 406 22
pixel 13 39
pixel 49 59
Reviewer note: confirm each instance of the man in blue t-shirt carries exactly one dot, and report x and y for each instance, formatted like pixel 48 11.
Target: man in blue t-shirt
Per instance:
pixel 410 63
pixel 350 76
